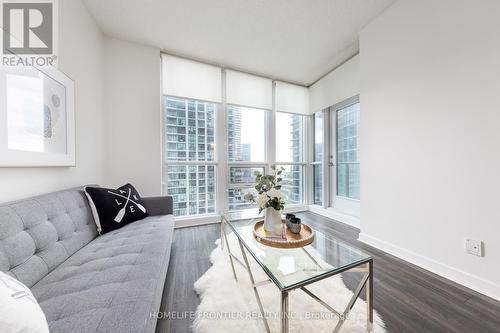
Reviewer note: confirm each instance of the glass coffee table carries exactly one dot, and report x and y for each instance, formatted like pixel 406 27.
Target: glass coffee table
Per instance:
pixel 324 258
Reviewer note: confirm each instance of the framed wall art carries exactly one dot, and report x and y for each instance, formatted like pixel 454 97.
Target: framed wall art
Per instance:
pixel 37 118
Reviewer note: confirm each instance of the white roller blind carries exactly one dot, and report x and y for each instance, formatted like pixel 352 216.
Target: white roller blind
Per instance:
pixel 191 79
pixel 292 98
pixel 249 90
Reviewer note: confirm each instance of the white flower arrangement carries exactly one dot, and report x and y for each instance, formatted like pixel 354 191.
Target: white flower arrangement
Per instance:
pixel 267 192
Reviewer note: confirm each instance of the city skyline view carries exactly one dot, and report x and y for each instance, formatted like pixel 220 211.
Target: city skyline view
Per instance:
pixel 190 136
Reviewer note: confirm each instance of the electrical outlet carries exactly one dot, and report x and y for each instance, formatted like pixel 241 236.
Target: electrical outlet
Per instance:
pixel 474 247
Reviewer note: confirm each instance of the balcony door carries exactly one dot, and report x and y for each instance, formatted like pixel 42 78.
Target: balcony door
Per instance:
pixel 344 156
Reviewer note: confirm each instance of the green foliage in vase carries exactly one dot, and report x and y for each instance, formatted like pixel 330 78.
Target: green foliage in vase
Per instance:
pixel 267 191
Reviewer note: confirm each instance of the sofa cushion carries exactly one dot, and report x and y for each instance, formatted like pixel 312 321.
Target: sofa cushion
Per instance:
pixel 112 284
pixel 114 208
pixel 38 234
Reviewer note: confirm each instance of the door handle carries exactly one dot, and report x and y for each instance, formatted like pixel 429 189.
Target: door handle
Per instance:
pixel 331 164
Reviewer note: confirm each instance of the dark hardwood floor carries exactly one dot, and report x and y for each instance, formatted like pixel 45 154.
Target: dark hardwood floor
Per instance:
pixel 409 298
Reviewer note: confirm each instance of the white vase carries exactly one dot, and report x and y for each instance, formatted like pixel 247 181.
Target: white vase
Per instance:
pixel 272 220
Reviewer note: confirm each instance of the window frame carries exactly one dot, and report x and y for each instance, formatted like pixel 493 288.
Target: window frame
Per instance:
pixel 248 164
pixel 166 162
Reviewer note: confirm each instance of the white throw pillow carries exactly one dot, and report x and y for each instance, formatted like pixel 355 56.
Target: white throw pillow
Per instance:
pixel 19 310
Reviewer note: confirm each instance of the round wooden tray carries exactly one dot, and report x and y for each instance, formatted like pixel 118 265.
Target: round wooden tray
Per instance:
pixel 305 237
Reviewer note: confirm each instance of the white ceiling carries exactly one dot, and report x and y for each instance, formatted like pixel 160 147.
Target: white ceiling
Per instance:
pixel 293 40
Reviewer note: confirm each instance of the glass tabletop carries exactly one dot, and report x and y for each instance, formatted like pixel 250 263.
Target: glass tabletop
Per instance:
pixel 292 268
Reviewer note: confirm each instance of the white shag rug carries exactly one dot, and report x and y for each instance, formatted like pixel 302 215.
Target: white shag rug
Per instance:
pixel 228 306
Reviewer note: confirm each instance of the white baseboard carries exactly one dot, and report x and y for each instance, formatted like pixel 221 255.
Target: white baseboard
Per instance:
pixel 468 280
pixel 336 215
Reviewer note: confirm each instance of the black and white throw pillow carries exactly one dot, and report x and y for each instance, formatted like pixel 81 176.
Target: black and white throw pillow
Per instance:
pixel 112 209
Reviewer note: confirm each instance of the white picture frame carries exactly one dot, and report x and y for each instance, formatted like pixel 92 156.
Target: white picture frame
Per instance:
pixel 40 133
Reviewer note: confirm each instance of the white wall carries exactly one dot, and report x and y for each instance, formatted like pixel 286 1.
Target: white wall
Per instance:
pixel 430 135
pixel 337 86
pixel 80 57
pixel 133 115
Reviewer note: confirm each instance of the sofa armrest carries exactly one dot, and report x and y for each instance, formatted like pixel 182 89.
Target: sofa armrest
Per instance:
pixel 162 205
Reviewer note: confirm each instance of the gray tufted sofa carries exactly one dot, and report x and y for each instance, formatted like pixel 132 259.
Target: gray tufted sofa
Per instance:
pixel 86 283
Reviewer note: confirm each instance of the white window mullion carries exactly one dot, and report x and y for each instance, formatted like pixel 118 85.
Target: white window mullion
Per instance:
pixel 186 117
pixel 196 134
pixel 206 135
pixel 271 130
pixel 221 146
pixel 326 158
pixel 307 159
pixel 309 151
pixel 188 191
pixel 206 158
pixel 191 163
pixel 248 164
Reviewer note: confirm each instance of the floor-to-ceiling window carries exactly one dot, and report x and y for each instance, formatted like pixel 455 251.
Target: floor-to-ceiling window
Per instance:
pixel 335 157
pixel 336 164
pixel 192 99
pixel 220 127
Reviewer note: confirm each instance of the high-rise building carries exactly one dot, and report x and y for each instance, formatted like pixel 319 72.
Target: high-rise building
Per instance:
pixel 190 136
pixel 234 133
pixel 292 176
pixel 246 152
pixel 190 128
